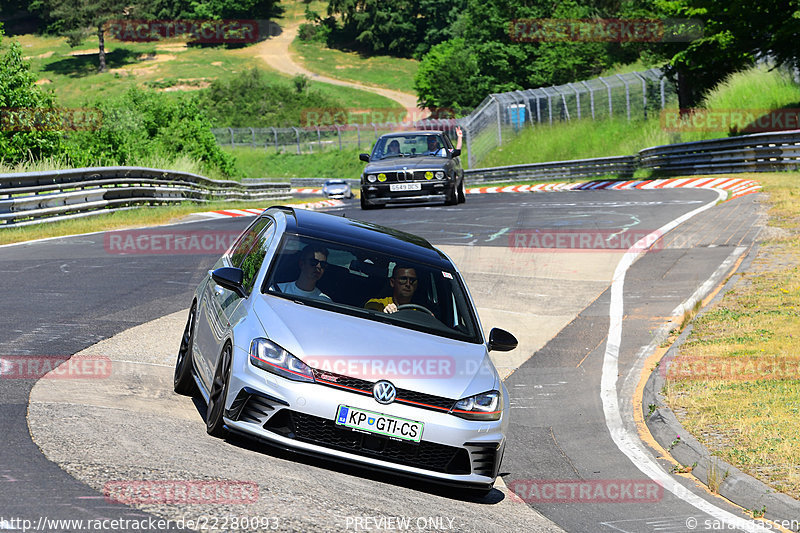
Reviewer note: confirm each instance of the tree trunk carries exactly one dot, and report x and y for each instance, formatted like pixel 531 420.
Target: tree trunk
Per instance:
pixel 684 93
pixel 102 53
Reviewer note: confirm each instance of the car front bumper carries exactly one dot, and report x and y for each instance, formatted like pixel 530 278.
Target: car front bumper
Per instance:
pixel 301 415
pixel 380 193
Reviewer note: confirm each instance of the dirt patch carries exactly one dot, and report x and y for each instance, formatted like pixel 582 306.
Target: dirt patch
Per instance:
pixel 43 81
pixel 186 87
pixel 89 52
pixel 175 47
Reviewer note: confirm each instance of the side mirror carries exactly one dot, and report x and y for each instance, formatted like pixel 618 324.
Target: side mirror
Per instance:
pixel 501 340
pixel 230 278
pixel 364 157
pixel 456 152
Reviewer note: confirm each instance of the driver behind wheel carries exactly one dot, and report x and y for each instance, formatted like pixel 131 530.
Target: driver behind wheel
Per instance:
pixel 404 283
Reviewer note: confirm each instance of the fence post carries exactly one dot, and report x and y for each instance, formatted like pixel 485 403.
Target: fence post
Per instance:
pixel 499 124
pixel 375 126
pixel 627 96
pixel 252 137
pixel 644 93
pixel 319 139
pixel 230 130
pixel 297 136
pixel 275 132
pixel 610 105
pixel 468 136
pixel 577 99
pixel 339 134
pixel 549 107
pixel 358 134
pixel 591 97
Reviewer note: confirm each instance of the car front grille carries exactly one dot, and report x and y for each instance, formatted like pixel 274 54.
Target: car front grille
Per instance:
pixel 364 387
pixel 323 432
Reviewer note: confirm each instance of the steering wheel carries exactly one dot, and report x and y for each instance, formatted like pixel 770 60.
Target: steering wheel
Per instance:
pixel 415 307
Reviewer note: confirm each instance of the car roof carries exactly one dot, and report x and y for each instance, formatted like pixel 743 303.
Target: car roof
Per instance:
pixel 362 234
pixel 407 133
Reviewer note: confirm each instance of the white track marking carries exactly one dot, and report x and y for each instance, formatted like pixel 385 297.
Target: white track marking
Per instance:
pixel 628 442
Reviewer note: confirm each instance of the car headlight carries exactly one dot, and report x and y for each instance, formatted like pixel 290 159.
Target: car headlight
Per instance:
pixel 484 406
pixel 440 175
pixel 268 356
pixel 371 178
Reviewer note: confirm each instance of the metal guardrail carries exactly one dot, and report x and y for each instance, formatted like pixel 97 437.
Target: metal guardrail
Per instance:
pixel 621 166
pixel 760 152
pixel 33 197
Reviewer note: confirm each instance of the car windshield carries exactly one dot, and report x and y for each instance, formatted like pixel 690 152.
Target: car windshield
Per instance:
pixel 335 182
pixel 414 145
pixel 361 282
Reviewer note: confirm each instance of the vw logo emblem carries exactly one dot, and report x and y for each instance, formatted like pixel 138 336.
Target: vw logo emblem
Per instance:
pixel 384 392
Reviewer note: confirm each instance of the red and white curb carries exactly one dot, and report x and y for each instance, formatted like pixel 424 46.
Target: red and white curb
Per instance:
pixel 737 187
pixel 306 191
pixel 227 213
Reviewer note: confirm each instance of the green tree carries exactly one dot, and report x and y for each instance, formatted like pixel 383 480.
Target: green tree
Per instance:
pixel 403 28
pixel 735 34
pixel 449 78
pixel 77 19
pixel 20 96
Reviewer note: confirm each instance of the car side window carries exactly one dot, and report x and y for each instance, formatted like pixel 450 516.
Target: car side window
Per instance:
pixel 249 252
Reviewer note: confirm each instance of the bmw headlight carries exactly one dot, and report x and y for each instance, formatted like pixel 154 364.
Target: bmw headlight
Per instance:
pixel 371 178
pixel 440 175
pixel 484 406
pixel 268 356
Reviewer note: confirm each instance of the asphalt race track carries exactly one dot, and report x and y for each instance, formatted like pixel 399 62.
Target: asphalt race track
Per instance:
pixel 571 454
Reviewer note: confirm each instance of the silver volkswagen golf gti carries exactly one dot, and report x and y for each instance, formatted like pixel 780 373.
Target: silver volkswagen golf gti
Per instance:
pixel 350 340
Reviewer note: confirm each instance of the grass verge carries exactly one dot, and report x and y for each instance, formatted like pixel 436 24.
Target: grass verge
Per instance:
pixel 265 163
pixel 738 388
pixel 380 71
pixel 750 91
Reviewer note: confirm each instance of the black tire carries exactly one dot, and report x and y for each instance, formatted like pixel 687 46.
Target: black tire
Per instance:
pixel 462 194
pixel 364 205
pixel 452 196
pixel 183 382
pixel 219 391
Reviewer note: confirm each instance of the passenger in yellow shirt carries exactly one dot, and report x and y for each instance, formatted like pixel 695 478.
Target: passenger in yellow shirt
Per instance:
pixel 404 284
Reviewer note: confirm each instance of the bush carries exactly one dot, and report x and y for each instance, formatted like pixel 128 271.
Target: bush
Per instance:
pixel 19 92
pixel 251 100
pixel 142 125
